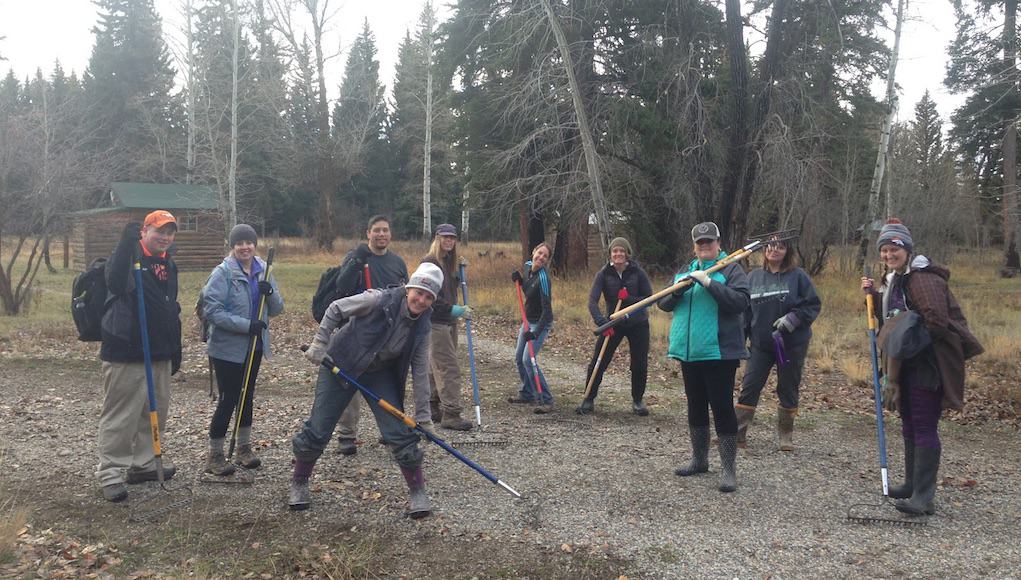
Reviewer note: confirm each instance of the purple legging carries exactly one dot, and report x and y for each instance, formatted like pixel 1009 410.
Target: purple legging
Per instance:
pixel 920 411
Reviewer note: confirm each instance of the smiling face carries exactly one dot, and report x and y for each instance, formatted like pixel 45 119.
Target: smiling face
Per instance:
pixel 895 257
pixel 419 301
pixel 618 256
pixel 448 243
pixel 244 250
pixel 775 253
pixel 379 236
pixel 158 240
pixel 707 249
pixel 540 257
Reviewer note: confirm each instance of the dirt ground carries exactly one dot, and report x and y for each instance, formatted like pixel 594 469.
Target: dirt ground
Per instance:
pixel 600 498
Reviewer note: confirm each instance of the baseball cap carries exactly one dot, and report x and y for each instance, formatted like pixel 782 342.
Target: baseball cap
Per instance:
pixel 705 231
pixel 159 218
pixel 428 277
pixel 446 230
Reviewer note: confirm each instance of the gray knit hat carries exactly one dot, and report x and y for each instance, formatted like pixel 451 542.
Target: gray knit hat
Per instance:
pixel 242 232
pixel 619 242
pixel 428 277
pixel 896 233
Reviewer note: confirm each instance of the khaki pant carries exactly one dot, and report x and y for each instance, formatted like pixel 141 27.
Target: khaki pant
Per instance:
pixel 125 439
pixel 445 375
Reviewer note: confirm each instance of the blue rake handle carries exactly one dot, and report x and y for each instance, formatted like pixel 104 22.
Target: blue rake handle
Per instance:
pixel 414 425
pixel 154 425
pixel 471 349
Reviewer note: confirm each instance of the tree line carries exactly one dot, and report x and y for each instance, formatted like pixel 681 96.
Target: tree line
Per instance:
pixel 539 117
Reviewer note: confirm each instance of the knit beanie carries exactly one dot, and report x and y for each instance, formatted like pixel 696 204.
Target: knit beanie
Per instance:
pixel 896 233
pixel 621 243
pixel 428 277
pixel 242 232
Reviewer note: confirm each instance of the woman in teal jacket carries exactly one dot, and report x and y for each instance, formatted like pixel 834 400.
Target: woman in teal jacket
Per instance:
pixel 707 336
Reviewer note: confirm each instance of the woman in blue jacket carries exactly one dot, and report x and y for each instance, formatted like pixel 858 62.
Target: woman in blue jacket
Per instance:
pixel 230 303
pixel 707 336
pixel 784 305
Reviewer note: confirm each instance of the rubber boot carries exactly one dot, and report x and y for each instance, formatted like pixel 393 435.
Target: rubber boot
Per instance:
pixel 418 499
pixel 300 496
pixel 905 491
pixel 785 427
pixel 586 407
pixel 745 414
pixel 728 459
pixel 921 500
pixel 639 408
pixel 346 446
pixel 699 452
pixel 247 458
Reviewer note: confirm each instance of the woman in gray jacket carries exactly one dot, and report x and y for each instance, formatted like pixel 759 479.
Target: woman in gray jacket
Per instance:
pixel 230 301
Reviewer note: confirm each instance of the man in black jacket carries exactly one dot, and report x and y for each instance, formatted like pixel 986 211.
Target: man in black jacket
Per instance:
pixel 125 440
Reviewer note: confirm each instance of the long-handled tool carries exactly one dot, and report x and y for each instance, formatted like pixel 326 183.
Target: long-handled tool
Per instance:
pixel 471 347
pixel 154 423
pixel 531 349
pixel 602 349
pixel 410 422
pixel 250 359
pixel 865 513
pixel 623 314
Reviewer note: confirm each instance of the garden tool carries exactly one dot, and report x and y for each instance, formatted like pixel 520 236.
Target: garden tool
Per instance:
pixel 471 347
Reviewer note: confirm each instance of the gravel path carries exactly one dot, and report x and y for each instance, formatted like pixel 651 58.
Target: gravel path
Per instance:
pixel 600 496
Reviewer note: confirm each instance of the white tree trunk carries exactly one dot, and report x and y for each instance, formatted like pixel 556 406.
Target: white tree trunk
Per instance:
pixel 232 183
pixel 427 41
pixel 189 12
pixel 588 144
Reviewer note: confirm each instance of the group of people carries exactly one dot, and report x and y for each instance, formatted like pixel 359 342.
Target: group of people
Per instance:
pixel 387 324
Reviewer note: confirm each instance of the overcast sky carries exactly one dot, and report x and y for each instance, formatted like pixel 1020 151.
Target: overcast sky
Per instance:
pixel 40 31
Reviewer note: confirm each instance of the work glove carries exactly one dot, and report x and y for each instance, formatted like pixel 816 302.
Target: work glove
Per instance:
pixel 256 327
pixel 459 311
pixel 601 320
pixel 362 253
pixel 678 293
pixel 316 351
pixel 622 294
pixel 516 277
pixel 702 278
pixel 608 332
pixel 265 288
pixel 890 393
pixel 529 336
pixel 132 231
pixel 787 322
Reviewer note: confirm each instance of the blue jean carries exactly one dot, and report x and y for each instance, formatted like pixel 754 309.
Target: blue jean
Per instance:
pixel 525 370
pixel 331 398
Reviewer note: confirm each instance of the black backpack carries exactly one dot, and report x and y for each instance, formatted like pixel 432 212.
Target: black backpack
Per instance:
pixel 89 301
pixel 326 293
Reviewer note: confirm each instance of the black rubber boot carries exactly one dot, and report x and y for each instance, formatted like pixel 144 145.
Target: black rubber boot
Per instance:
pixel 699 452
pixel 926 468
pixel 728 460
pixel 904 491
pixel 586 407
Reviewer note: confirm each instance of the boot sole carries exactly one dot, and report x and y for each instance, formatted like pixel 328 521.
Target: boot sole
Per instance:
pixel 683 472
pixel 419 514
pixel 298 507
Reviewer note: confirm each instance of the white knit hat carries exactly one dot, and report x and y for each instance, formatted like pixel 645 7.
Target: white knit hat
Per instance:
pixel 427 277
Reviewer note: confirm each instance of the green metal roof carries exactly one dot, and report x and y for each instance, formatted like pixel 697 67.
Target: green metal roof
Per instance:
pixel 163 196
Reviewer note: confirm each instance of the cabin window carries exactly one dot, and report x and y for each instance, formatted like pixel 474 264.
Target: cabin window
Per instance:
pixel 188 223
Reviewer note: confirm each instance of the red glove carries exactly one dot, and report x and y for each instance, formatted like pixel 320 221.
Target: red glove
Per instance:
pixel 622 295
pixel 608 332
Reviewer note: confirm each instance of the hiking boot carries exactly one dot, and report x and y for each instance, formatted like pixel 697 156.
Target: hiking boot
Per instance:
pixel 785 427
pixel 519 400
pixel 639 408
pixel 699 452
pixel 115 492
pixel 218 465
pixel 246 457
pixel 728 459
pixel 300 497
pixel 135 475
pixel 921 500
pixel 543 408
pixel 455 422
pixel 418 499
pixel 346 446
pixel 745 414
pixel 587 406
pixel 428 426
pixel 904 491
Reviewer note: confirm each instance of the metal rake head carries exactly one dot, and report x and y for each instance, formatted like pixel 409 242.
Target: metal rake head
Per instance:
pixel 876 514
pixel 163 501
pixel 471 443
pixel 778 236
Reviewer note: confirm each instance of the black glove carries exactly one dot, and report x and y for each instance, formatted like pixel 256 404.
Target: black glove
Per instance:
pixel 529 335
pixel 265 288
pixel 256 327
pixel 678 293
pixel 132 231
pixel 601 320
pixel 516 277
pixel 362 253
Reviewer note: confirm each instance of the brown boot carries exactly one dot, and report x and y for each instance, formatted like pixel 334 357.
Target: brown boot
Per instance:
pixel 217 464
pixel 247 458
pixel 455 422
pixel 745 413
pixel 785 427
